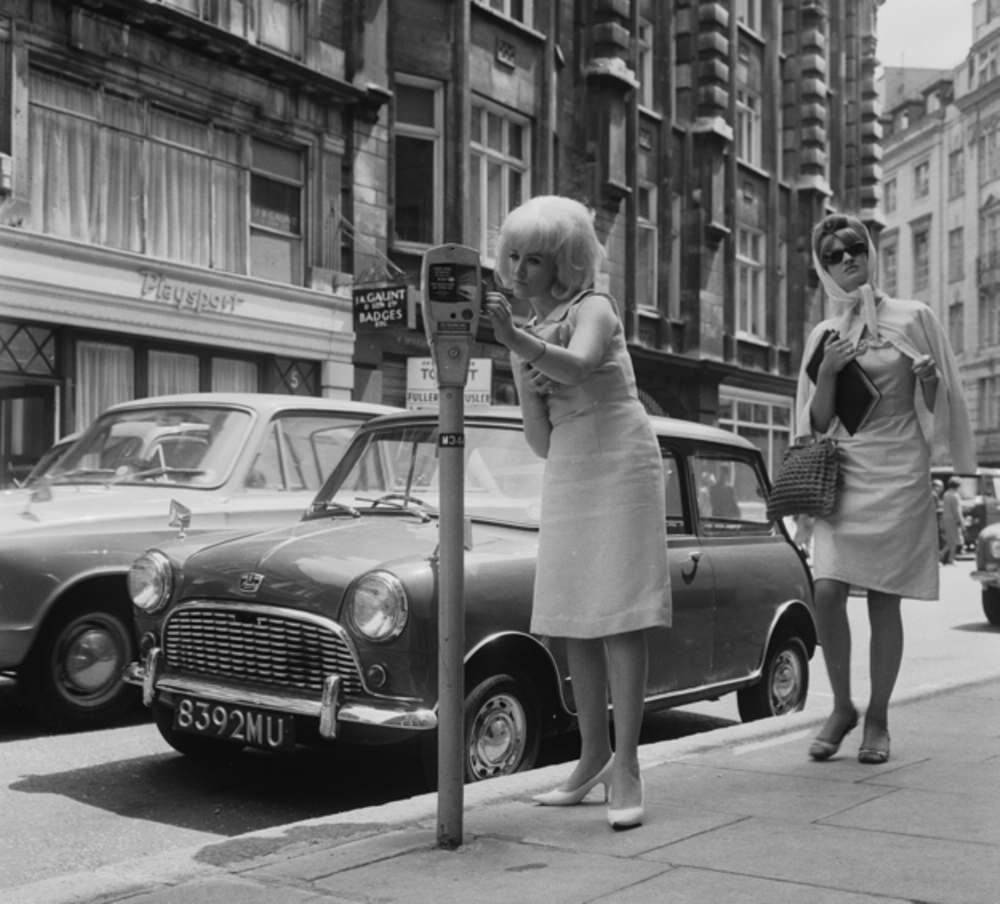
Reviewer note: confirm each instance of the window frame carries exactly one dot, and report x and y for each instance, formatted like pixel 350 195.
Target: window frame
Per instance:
pixel 485 240
pixel 753 306
pixel 434 134
pixel 922 179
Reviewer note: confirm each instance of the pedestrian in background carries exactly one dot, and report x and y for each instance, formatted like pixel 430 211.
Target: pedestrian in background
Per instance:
pixel 951 521
pixel 602 577
pixel 882 535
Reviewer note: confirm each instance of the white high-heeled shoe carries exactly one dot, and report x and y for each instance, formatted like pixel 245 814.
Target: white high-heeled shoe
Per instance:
pixel 628 817
pixel 568 797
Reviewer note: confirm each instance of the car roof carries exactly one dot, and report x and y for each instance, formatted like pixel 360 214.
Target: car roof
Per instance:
pixel 664 426
pixel 265 402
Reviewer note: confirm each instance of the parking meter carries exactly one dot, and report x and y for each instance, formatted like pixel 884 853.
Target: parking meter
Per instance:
pixel 450 279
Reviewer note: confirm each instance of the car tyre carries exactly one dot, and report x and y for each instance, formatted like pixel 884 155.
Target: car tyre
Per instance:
pixel 206 750
pixel 784 682
pixel 502 731
pixel 991 605
pixel 72 679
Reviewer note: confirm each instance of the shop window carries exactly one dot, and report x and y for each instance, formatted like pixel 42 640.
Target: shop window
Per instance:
pixel 231 375
pixel 764 419
pixel 499 172
pixel 418 161
pixel 29 350
pixel 293 377
pixel 105 375
pixel 171 372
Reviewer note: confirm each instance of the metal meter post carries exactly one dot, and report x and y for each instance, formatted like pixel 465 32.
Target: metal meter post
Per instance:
pixel 450 279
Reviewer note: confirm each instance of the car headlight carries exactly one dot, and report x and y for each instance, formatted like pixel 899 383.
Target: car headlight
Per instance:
pixel 377 607
pixel 994 548
pixel 151 581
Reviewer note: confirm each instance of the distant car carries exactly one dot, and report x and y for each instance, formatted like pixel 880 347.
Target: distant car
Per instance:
pixel 142 472
pixel 980 495
pixel 326 631
pixel 987 571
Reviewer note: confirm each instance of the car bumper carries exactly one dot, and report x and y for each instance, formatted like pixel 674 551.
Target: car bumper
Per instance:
pixel 987 578
pixel 329 710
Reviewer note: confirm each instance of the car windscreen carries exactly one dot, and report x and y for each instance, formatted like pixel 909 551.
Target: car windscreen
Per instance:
pixel 192 446
pixel 399 466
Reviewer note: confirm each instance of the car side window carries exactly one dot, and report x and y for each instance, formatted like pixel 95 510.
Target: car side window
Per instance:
pixel 732 501
pixel 672 479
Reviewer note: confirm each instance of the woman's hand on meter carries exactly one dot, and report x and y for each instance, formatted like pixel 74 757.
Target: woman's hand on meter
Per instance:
pixel 497 307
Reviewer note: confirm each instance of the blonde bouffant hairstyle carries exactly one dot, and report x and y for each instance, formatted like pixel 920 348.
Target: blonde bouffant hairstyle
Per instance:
pixel 558 227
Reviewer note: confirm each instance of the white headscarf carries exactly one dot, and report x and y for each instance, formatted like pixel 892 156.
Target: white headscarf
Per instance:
pixel 862 299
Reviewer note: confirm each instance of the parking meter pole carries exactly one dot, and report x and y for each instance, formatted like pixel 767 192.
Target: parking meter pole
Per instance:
pixel 451 621
pixel 452 285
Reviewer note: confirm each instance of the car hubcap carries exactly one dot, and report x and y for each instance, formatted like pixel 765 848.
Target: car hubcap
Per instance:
pixel 499 734
pixel 92 659
pixel 786 683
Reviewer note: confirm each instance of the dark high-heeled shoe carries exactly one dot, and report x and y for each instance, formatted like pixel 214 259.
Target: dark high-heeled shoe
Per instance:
pixel 823 749
pixel 874 753
pixel 568 797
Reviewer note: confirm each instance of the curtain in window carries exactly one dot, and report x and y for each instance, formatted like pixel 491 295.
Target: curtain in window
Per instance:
pixel 104 376
pixel 180 205
pixel 63 173
pixel 230 375
pixel 171 372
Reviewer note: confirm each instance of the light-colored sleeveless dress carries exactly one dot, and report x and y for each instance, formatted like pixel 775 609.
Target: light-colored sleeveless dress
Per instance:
pixel 883 533
pixel 602 558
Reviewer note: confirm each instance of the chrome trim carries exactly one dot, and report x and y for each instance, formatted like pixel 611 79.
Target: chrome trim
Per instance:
pixel 418 718
pixel 153 667
pixel 328 707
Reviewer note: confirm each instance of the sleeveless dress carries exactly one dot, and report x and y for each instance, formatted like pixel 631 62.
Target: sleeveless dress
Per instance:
pixel 602 556
pixel 883 533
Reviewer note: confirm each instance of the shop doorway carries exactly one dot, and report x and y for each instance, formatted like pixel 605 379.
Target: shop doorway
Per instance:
pixel 28 414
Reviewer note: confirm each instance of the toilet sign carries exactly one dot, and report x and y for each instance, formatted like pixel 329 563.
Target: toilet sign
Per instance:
pixel 422 386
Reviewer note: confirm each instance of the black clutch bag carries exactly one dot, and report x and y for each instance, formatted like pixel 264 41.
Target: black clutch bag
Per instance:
pixel 807 480
pixel 856 395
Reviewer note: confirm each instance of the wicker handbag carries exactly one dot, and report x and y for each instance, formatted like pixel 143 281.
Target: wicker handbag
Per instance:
pixel 807 480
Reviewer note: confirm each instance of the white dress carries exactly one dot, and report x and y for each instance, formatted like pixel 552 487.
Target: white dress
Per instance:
pixel 602 557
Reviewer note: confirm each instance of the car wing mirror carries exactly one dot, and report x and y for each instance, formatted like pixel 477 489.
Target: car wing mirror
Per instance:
pixel 180 517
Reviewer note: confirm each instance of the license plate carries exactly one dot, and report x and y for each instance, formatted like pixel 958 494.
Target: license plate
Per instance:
pixel 245 724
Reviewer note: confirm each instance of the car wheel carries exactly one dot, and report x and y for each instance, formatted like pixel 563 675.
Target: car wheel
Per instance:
pixel 73 676
pixel 783 685
pixel 207 750
pixel 991 605
pixel 502 731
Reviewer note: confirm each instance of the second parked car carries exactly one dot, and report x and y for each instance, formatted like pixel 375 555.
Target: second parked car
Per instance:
pixel 325 631
pixel 142 472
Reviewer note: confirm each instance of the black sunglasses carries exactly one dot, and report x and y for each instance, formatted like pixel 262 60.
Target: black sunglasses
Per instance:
pixel 855 250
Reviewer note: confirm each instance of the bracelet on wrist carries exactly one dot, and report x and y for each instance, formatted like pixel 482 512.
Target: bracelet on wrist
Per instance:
pixel 541 352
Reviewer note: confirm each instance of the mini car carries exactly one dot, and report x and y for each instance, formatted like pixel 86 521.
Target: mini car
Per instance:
pixel 142 472
pixel 325 631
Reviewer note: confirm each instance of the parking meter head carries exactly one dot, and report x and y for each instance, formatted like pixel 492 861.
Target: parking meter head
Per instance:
pixel 452 293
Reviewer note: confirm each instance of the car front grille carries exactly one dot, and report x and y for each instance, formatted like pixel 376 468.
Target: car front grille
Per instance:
pixel 260 647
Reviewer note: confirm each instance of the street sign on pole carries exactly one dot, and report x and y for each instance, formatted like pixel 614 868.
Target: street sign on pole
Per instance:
pixel 450 278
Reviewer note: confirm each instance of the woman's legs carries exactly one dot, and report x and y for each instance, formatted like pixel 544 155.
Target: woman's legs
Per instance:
pixel 885 653
pixel 835 639
pixel 589 673
pixel 627 662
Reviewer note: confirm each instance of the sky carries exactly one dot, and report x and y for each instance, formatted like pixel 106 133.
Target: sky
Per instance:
pixel 930 34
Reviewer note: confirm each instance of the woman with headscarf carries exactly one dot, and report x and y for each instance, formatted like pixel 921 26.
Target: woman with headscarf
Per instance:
pixel 882 536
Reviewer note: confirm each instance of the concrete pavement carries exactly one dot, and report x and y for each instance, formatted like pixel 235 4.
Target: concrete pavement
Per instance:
pixel 736 815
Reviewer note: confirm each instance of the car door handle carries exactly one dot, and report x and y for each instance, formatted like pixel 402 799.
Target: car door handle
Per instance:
pixel 694 557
